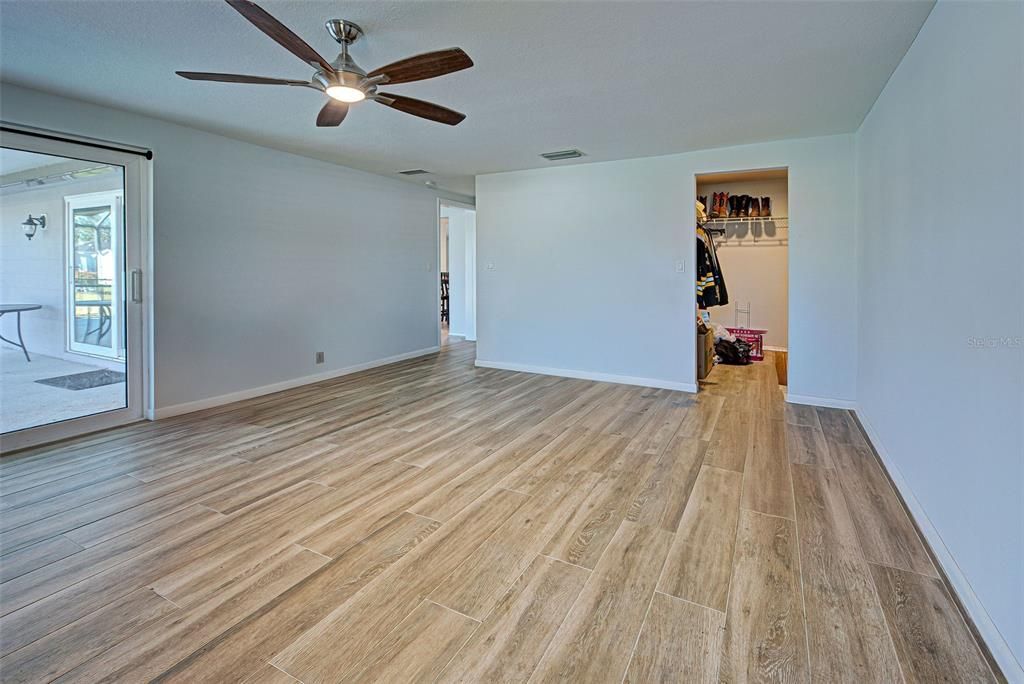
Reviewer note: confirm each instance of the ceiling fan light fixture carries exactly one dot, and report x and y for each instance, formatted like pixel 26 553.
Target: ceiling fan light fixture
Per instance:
pixel 345 93
pixel 342 80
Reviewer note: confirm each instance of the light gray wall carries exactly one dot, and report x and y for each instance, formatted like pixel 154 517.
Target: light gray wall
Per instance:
pixel 941 371
pixel 263 257
pixel 585 256
pixel 32 271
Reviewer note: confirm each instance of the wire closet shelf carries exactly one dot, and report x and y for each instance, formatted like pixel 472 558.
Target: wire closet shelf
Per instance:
pixel 747 231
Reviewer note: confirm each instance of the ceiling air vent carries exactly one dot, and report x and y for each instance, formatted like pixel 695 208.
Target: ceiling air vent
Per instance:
pixel 414 172
pixel 562 154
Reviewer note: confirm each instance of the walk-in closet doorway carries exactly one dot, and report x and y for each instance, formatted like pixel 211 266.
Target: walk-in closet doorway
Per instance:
pixel 742 272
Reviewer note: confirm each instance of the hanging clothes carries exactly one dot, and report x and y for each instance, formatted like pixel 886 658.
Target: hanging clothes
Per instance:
pixel 711 290
pixel 723 293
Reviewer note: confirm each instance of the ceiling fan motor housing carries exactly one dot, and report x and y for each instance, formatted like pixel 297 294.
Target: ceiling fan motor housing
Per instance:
pixel 350 76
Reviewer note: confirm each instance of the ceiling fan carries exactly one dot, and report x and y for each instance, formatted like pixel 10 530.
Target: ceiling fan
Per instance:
pixel 342 80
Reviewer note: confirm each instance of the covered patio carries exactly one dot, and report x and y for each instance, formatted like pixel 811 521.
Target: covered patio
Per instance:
pixel 62 350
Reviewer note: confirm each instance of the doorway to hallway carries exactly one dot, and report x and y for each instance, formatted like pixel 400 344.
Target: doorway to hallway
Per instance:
pixel 457 266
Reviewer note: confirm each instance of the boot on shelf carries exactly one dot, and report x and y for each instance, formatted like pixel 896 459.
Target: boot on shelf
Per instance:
pixel 713 209
pixel 744 205
pixel 704 202
pixel 734 209
pixel 766 206
pixel 755 207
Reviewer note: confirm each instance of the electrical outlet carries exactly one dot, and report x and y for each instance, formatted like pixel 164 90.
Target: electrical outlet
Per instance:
pixel 319 357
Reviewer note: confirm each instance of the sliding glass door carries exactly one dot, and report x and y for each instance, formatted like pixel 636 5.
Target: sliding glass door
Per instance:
pixel 71 299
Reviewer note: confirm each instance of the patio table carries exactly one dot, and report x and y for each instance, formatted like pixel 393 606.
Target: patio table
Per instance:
pixel 17 309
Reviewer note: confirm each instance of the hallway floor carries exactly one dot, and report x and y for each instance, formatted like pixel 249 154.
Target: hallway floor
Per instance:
pixel 433 521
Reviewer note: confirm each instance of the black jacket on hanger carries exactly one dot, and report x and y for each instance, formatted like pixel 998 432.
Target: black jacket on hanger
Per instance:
pixel 711 290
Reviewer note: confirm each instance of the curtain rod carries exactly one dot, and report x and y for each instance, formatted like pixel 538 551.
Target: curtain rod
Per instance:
pixel 78 140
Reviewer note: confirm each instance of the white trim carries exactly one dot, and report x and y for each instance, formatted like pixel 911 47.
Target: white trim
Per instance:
pixel 148 292
pixel 825 402
pixel 776 349
pixel 211 402
pixel 437 279
pixel 972 604
pixel 587 375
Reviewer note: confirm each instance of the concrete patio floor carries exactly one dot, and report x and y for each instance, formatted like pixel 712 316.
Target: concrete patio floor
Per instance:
pixel 26 403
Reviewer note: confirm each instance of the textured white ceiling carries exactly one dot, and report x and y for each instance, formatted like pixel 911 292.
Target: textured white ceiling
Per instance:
pixel 615 79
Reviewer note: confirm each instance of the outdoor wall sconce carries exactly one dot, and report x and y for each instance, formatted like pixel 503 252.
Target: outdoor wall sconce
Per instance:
pixel 31 225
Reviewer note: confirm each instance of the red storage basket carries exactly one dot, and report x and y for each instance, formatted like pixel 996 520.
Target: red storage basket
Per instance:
pixel 754 337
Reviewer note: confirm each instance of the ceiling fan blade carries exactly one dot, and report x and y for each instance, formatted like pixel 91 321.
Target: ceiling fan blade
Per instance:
pixel 332 114
pixel 427 65
pixel 237 78
pixel 425 110
pixel 283 35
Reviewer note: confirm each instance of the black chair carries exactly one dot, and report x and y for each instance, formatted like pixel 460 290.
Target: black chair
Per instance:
pixel 444 296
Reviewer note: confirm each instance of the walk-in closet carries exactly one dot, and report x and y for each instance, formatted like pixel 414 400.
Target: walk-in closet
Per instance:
pixel 742 284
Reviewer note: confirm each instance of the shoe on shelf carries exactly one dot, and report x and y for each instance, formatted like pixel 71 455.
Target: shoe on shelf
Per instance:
pixel 766 206
pixel 734 209
pixel 744 205
pixel 755 207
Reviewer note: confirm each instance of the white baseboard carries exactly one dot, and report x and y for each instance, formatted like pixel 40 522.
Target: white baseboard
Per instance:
pixel 824 402
pixel 587 375
pixel 776 349
pixel 211 402
pixel 972 604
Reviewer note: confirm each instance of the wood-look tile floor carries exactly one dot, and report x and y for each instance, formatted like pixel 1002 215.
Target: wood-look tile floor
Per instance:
pixel 433 521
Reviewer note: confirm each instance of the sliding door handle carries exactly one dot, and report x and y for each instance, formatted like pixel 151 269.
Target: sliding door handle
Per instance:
pixel 135 285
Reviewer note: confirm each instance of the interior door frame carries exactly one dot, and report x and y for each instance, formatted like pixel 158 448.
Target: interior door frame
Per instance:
pixel 138 255
pixel 442 202
pixel 740 168
pixel 116 293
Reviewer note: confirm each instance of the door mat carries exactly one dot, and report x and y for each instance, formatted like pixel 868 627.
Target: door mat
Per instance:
pixel 81 381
